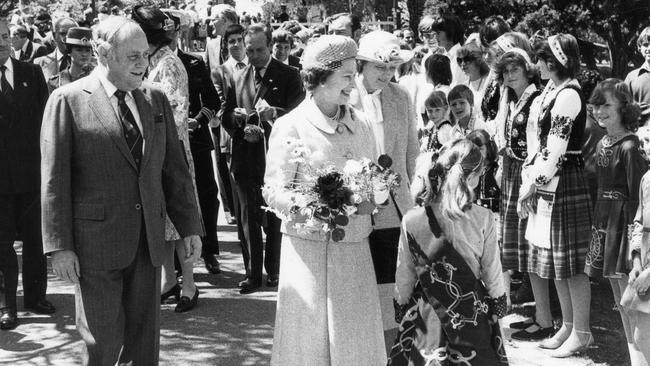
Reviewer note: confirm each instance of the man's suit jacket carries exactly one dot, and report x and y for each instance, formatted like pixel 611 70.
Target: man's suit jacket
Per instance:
pixel 213 56
pixel 20 126
pixel 400 143
pixel 202 94
pixel 49 64
pixel 223 78
pixel 32 51
pixel 280 87
pixel 295 62
pixel 94 198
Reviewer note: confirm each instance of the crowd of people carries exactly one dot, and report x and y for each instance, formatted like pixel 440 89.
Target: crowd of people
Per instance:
pixel 121 136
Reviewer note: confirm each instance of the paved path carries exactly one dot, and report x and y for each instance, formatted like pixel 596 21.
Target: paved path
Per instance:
pixel 226 329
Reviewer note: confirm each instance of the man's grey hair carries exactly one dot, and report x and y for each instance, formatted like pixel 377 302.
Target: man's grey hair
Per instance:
pixel 107 31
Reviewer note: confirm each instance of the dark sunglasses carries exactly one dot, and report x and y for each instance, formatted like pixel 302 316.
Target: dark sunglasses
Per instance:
pixel 467 59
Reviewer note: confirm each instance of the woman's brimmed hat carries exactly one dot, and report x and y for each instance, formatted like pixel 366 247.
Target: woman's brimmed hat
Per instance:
pixel 382 47
pixel 79 36
pixel 329 51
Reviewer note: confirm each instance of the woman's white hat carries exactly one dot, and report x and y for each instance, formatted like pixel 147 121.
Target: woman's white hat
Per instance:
pixel 382 47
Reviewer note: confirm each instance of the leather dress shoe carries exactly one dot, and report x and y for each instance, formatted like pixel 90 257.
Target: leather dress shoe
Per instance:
pixel 187 304
pixel 41 307
pixel 272 281
pixel 8 319
pixel 212 264
pixel 248 287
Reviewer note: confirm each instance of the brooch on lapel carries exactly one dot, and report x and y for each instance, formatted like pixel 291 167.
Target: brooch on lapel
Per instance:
pixel 24 84
pixel 158 118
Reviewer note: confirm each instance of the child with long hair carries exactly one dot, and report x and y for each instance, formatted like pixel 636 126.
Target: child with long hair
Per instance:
pixel 449 285
pixel 620 167
pixel 437 127
pixel 487 193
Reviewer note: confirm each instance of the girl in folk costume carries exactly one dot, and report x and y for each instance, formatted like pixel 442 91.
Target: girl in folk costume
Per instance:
pixel 449 287
pixel 487 193
pixel 620 166
pixel 555 198
pixel 437 112
pixel 519 76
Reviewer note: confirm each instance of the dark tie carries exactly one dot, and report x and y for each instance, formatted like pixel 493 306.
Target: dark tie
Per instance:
pixel 7 91
pixel 64 63
pixel 130 128
pixel 258 77
pixel 240 65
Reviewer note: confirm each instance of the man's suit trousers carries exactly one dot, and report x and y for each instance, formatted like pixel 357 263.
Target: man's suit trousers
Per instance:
pixel 118 312
pixel 20 219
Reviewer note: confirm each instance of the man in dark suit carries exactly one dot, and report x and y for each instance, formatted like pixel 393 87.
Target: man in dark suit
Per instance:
pixel 23 94
pixel 58 60
pixel 282 45
pixel 24 49
pixel 204 104
pixel 265 90
pixel 112 169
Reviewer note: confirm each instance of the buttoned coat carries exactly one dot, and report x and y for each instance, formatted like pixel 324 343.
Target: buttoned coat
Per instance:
pixel 281 88
pixel 20 125
pixel 94 198
pixel 400 143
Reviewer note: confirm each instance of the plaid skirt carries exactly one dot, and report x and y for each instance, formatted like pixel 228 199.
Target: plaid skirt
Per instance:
pixel 570 229
pixel 514 246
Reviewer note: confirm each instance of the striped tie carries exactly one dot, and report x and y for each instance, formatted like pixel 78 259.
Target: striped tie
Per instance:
pixel 130 128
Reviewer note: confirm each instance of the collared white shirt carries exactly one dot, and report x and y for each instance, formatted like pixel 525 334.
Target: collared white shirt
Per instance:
pixel 371 103
pixel 9 72
pixel 232 63
pixel 130 101
pixel 23 49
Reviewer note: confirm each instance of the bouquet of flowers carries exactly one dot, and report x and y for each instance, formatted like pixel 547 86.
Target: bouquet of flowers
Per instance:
pixel 323 197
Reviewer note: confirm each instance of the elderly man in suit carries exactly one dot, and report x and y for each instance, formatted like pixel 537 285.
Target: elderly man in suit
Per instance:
pixel 392 115
pixel 58 60
pixel 222 16
pixel 264 90
pixel 24 49
pixel 112 169
pixel 23 94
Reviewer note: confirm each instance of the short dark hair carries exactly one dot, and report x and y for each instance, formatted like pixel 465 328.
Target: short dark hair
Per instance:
pixel 233 29
pixel 282 36
pixel 313 76
pixel 21 31
pixel 451 25
pixel 354 19
pixel 461 91
pixel 569 46
pixel 492 28
pixel 620 90
pixel 438 69
pixel 259 28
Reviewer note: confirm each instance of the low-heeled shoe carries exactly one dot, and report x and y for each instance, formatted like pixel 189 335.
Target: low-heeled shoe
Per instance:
pixel 187 304
pixel 8 319
pixel 41 307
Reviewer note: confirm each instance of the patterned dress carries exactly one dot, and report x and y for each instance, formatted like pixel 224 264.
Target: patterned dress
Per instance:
pixel 514 250
pixel 166 70
pixel 450 290
pixel 429 136
pixel 621 166
pixel 561 117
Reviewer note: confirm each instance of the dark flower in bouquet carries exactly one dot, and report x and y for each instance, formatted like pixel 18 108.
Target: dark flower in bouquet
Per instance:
pixel 332 190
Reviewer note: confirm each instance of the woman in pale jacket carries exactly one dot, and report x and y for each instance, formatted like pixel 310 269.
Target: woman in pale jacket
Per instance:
pixel 328 308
